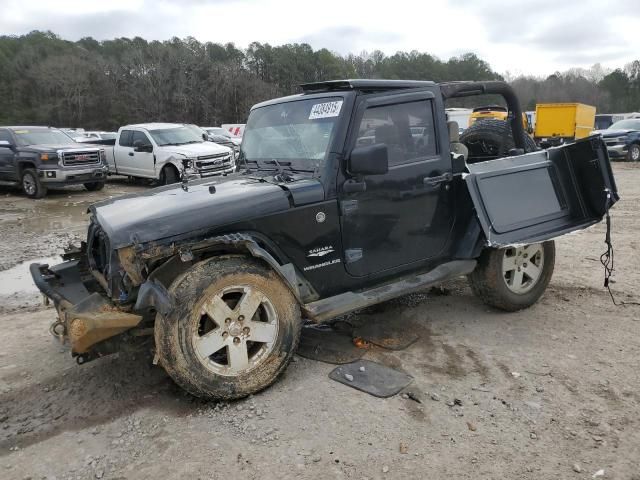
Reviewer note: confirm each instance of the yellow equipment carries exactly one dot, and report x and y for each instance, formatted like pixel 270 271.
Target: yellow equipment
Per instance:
pixel 495 112
pixel 564 121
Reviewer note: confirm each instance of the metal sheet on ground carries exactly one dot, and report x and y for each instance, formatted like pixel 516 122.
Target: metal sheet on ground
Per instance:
pixel 371 377
pixel 387 334
pixel 322 343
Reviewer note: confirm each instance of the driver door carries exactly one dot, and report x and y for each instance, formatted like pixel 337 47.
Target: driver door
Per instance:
pixel 134 162
pixel 405 215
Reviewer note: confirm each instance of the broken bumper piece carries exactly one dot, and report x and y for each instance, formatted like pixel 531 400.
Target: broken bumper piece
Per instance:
pixel 85 318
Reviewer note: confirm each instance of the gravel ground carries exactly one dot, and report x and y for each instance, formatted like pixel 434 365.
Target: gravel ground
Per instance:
pixel 550 392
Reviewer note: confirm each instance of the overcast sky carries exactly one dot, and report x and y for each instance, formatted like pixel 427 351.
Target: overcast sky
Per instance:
pixel 522 37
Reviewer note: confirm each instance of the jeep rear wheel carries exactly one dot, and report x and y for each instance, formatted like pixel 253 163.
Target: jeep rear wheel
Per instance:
pixel 513 278
pixel 233 330
pixel 31 185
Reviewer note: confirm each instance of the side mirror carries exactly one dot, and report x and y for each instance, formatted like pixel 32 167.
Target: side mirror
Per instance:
pixel 369 160
pixel 139 146
pixel 205 137
pixel 5 144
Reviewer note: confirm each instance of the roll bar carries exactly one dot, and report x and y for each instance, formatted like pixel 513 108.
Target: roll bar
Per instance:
pixel 469 89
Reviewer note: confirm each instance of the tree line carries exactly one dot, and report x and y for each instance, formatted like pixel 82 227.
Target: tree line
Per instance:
pixel 45 79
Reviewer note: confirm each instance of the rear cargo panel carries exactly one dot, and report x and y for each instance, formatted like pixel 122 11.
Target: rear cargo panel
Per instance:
pixel 542 195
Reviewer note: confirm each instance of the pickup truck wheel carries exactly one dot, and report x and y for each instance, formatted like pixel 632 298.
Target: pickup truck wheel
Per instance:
pixel 31 185
pixel 634 153
pixel 94 186
pixel 513 278
pixel 169 175
pixel 234 328
pixel 491 138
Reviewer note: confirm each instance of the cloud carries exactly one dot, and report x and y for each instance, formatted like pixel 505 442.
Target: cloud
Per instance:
pixel 348 39
pixel 529 36
pixel 583 29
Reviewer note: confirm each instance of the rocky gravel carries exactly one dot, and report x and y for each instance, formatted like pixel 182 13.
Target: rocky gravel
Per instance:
pixel 552 392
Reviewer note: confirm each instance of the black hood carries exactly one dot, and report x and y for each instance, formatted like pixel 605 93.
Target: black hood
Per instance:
pixel 168 211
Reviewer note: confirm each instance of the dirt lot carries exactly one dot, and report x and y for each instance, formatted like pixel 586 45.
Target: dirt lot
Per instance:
pixel 551 392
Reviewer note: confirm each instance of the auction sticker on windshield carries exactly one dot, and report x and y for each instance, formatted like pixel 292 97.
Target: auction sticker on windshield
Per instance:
pixel 325 110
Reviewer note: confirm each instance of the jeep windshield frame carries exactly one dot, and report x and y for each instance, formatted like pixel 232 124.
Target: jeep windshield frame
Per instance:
pixel 298 133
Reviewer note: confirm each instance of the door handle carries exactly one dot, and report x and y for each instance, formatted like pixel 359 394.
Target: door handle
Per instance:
pixel 131 154
pixel 433 181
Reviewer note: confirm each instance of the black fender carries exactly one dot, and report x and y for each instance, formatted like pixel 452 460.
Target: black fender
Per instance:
pixel 153 292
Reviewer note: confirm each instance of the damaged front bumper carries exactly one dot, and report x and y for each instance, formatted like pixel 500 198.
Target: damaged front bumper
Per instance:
pixel 85 318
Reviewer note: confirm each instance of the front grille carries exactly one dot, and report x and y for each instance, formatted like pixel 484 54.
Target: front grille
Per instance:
pixel 212 163
pixel 75 158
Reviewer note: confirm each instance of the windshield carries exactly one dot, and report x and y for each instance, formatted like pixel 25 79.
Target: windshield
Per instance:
pixel 41 136
pixel 175 136
pixel 632 123
pixel 298 131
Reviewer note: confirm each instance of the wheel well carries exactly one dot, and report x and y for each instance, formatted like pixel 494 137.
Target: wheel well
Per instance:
pixel 171 165
pixel 172 266
pixel 22 166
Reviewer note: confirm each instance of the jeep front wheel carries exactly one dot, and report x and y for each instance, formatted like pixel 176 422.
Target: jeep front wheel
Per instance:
pixel 513 278
pixel 233 330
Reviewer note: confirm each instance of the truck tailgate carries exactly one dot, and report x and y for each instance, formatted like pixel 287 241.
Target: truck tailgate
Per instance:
pixel 541 195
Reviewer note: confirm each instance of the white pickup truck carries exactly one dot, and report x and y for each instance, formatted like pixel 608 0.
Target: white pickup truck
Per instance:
pixel 157 150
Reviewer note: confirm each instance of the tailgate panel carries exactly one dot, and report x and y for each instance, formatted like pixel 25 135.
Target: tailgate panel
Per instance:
pixel 541 195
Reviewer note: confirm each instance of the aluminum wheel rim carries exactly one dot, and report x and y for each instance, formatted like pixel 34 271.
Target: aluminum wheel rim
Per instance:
pixel 522 267
pixel 29 184
pixel 236 330
pixel 635 153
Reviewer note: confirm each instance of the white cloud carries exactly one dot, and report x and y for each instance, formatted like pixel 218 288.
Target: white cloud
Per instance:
pixel 529 36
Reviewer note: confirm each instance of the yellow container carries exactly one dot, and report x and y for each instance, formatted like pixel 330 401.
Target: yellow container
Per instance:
pixel 564 120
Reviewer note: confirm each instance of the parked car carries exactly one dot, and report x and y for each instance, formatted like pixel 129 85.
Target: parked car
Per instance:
pixel 37 158
pixel 217 276
pixel 623 139
pixel 161 150
pixel 237 140
pixel 89 137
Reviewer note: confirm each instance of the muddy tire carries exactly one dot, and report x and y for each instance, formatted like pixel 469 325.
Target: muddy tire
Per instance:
pixel 94 186
pixel 234 328
pixel 489 139
pixel 169 175
pixel 31 184
pixel 513 278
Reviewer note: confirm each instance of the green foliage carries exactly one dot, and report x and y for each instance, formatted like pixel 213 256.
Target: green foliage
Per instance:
pixel 103 85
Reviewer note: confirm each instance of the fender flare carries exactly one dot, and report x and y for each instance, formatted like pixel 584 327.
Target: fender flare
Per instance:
pixel 298 285
pixel 153 293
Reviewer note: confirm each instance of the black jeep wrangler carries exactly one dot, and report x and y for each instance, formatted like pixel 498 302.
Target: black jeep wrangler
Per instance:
pixel 39 157
pixel 354 192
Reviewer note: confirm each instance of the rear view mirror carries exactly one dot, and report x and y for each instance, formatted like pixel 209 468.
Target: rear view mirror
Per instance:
pixel 369 160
